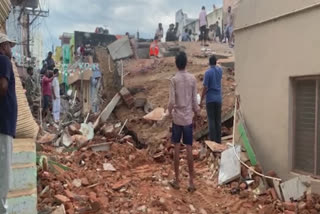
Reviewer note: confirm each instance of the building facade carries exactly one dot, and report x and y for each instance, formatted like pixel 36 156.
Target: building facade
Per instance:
pixel 277 72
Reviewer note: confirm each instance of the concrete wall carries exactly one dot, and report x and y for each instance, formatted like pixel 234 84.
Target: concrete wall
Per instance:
pixel 22 197
pixel 266 57
pixel 253 11
pixel 215 16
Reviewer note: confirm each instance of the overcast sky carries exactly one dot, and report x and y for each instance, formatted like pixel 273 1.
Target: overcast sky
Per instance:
pixel 119 16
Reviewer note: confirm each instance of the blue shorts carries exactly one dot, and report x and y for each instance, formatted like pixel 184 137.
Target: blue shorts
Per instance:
pixel 178 131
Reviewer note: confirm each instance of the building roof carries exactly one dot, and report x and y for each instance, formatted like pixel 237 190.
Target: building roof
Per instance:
pixel 254 12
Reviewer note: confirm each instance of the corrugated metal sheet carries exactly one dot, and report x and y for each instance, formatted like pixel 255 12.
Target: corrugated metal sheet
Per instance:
pixel 26 126
pixel 305 99
pixel 5 8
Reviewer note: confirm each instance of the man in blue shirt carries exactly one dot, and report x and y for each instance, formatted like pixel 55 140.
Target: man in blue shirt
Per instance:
pixel 212 91
pixel 8 117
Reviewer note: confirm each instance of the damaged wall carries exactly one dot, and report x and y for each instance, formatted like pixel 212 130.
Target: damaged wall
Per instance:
pixel 107 68
pixel 267 56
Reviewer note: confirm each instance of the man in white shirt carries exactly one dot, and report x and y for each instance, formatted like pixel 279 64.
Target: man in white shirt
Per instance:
pixel 56 96
pixel 159 32
pixel 229 29
pixel 203 23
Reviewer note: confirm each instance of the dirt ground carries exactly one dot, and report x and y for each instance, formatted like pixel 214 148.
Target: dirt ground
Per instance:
pixel 152 77
pixel 139 185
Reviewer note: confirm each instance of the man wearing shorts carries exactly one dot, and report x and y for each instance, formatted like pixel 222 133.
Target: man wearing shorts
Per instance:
pixel 203 22
pixel 182 107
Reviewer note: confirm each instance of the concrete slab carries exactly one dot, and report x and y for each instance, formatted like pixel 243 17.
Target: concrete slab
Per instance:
pixel 276 185
pixel 216 147
pixel 293 189
pixel 108 110
pixel 120 49
pixel 230 168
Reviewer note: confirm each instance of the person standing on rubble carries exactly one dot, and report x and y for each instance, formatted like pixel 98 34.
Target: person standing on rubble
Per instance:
pixel 212 91
pixel 182 107
pixel 8 117
pixel 154 48
pixel 159 32
pixel 229 27
pixel 56 96
pixel 50 62
pixel 46 93
pixel 30 86
pixel 203 23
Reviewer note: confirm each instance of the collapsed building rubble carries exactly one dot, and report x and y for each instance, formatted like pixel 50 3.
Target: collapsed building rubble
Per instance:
pixel 125 166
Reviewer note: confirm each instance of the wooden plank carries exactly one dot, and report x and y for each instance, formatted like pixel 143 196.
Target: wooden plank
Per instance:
pixel 105 114
pixel 216 147
pixel 227 137
pixel 246 144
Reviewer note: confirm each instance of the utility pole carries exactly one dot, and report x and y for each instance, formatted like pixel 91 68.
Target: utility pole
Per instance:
pixel 27 17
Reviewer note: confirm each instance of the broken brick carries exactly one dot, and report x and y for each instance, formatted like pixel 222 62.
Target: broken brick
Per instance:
pixel 243 186
pixel 69 194
pixel 61 198
pixel 120 184
pixel 273 193
pixel 289 212
pixel 85 182
pixel 92 197
pixel 290 206
pixel 74 129
pixel 195 154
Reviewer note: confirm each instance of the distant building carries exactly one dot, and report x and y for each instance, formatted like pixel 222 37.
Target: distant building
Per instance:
pixel 183 20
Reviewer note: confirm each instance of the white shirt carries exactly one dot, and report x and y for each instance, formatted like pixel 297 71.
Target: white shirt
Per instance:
pixel 203 18
pixel 56 87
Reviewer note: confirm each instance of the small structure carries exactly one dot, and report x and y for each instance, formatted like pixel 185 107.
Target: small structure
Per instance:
pixel 85 78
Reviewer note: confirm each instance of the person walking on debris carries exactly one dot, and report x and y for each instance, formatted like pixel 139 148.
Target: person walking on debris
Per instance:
pixel 170 36
pixel 50 62
pixel 56 96
pixel 159 32
pixel 154 48
pixel 229 27
pixel 218 32
pixel 186 36
pixel 30 86
pixel 182 105
pixel 8 117
pixel 212 91
pixel 203 23
pixel 46 93
pixel 177 32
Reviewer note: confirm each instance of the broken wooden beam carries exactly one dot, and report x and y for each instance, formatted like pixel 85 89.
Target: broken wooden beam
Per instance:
pixel 105 114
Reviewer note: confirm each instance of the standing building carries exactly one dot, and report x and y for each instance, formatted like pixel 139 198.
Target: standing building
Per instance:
pixel 277 72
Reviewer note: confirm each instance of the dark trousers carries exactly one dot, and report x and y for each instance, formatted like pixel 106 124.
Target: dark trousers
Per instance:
pixel 214 120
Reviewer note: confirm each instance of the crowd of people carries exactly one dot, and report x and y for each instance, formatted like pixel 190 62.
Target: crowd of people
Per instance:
pixel 50 89
pixel 213 32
